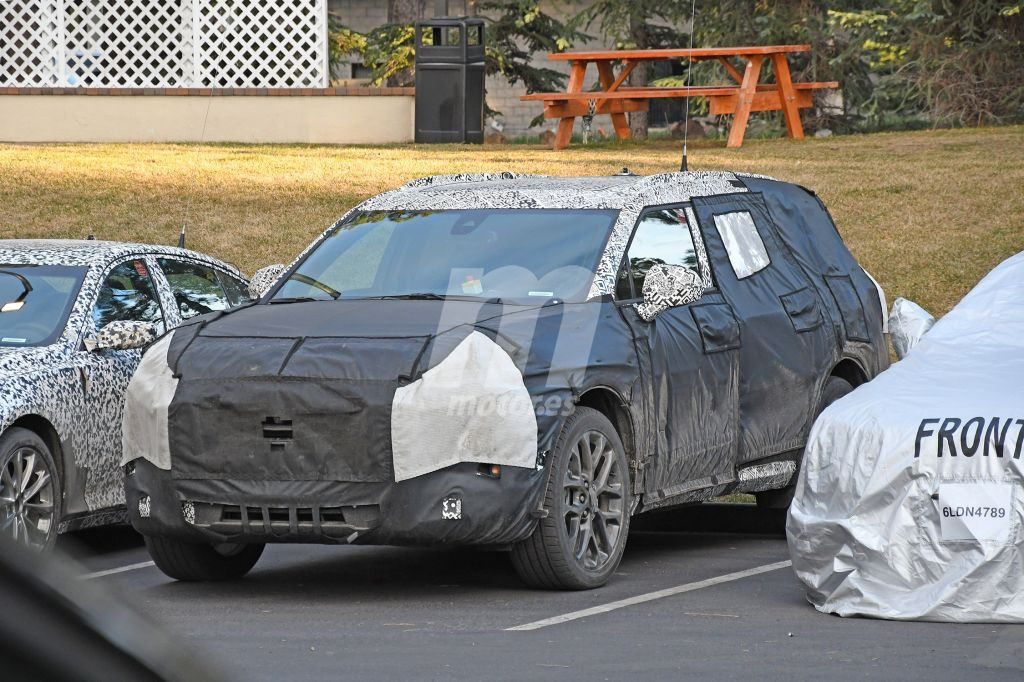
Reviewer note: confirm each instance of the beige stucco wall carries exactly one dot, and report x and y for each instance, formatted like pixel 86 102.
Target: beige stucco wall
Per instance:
pixel 99 118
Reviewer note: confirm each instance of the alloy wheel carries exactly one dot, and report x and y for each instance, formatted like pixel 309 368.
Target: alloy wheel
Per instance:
pixel 594 512
pixel 26 498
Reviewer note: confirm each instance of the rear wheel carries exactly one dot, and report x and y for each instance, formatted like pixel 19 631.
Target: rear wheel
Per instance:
pixel 835 388
pixel 197 562
pixel 30 491
pixel 580 543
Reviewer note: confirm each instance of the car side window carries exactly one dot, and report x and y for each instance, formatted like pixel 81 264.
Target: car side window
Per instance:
pixel 662 237
pixel 196 288
pixel 236 290
pixel 743 243
pixel 128 295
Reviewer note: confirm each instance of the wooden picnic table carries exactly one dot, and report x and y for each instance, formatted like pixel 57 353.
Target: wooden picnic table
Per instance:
pixel 745 95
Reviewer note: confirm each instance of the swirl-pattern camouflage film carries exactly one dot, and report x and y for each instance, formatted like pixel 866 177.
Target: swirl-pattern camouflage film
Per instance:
pixel 126 335
pixel 665 287
pixel 263 279
pixel 70 394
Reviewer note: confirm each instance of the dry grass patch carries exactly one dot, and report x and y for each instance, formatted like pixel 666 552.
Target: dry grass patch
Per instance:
pixel 928 213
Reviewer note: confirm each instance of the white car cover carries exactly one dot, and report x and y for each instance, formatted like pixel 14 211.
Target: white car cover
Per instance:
pixel 910 502
pixel 907 324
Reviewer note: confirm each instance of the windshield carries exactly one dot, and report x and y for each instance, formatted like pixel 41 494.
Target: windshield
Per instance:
pixel 35 301
pixel 514 255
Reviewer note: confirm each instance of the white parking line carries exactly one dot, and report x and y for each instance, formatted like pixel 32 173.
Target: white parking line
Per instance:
pixel 119 569
pixel 650 596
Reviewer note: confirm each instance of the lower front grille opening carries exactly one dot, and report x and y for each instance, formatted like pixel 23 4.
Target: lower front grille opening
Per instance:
pixel 231 512
pixel 304 516
pixel 331 515
pixel 278 514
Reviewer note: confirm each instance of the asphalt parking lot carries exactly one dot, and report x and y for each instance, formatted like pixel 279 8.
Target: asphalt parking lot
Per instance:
pixel 701 593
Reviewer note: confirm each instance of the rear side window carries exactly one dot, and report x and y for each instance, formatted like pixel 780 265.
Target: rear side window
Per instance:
pixel 128 295
pixel 236 290
pixel 742 242
pixel 196 288
pixel 661 238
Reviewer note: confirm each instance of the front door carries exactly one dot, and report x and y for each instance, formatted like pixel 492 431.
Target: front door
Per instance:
pixel 689 364
pixel 786 348
pixel 127 293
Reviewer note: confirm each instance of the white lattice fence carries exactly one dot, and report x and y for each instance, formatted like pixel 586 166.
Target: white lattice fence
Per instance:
pixel 30 42
pixel 163 43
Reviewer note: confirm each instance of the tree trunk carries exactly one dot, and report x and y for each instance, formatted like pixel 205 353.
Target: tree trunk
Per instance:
pixel 638 78
pixel 404 11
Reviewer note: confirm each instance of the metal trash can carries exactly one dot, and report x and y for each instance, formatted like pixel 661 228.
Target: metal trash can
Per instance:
pixel 450 80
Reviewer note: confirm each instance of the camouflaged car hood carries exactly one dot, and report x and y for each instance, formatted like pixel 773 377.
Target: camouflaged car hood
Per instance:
pixel 381 339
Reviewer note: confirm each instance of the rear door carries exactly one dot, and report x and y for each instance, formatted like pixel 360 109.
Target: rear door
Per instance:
pixel 689 365
pixel 786 349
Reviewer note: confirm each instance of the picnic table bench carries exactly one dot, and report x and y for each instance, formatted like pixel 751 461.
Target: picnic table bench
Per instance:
pixel 739 99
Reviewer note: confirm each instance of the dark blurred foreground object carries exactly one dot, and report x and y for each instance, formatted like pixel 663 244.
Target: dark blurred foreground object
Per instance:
pixel 450 80
pixel 56 626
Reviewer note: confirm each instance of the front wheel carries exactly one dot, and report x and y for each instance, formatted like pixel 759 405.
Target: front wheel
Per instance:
pixel 580 543
pixel 30 490
pixel 196 562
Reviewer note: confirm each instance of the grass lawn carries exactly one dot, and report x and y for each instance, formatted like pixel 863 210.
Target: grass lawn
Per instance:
pixel 928 213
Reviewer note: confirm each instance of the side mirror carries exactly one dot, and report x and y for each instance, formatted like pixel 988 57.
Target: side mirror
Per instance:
pixel 125 335
pixel 264 278
pixel 667 286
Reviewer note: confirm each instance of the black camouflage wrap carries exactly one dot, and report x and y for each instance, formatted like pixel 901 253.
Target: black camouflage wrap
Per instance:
pixel 280 426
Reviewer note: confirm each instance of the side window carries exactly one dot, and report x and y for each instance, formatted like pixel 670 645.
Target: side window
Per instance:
pixel 661 238
pixel 196 288
pixel 742 242
pixel 128 295
pixel 236 289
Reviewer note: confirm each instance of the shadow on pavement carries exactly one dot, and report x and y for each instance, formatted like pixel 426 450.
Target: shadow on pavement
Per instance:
pixel 96 541
pixel 714 518
pixel 364 572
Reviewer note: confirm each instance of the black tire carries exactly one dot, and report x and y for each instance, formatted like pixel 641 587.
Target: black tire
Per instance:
pixel 194 562
pixel 835 388
pixel 551 558
pixel 31 493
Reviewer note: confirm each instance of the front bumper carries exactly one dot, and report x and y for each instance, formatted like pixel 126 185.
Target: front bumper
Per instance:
pixel 457 505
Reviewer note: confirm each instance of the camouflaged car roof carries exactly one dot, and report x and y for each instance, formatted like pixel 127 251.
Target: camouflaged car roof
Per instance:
pixel 514 190
pixel 90 252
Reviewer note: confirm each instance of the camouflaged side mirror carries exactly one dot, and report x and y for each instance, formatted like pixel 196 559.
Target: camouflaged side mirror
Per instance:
pixel 668 286
pixel 125 335
pixel 264 278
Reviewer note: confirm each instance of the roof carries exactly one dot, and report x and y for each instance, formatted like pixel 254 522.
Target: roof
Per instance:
pixel 513 190
pixel 87 252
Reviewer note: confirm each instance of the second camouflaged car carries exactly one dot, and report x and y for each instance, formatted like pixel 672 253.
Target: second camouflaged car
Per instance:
pixel 504 360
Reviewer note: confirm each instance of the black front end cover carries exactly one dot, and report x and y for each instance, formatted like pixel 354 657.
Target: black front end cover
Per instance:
pixel 279 437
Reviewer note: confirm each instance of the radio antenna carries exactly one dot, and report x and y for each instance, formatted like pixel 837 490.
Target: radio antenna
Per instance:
pixel 684 167
pixel 188 202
